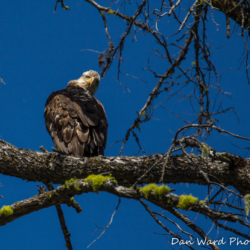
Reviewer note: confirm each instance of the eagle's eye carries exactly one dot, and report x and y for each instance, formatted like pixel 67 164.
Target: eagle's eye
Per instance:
pixel 87 76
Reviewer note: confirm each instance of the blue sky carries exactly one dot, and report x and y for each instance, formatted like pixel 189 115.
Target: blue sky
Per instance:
pixel 40 52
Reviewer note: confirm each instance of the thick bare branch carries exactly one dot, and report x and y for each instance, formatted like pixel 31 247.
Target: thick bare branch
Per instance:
pixel 56 168
pixel 239 11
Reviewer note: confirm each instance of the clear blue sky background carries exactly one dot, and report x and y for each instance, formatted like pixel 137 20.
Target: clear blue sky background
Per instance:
pixel 40 52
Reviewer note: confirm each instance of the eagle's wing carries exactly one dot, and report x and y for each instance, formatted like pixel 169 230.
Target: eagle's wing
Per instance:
pixel 77 122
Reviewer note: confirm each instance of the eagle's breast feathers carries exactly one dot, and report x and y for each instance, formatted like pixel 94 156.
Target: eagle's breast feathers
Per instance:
pixel 76 121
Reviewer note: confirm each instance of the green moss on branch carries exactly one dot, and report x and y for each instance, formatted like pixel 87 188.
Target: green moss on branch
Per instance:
pixel 6 211
pixel 186 201
pixel 98 180
pixel 71 181
pixel 158 190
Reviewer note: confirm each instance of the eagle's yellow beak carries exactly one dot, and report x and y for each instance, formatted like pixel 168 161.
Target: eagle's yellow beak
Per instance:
pixel 91 80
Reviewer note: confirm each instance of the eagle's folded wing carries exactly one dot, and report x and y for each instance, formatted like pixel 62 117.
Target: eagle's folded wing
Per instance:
pixel 77 122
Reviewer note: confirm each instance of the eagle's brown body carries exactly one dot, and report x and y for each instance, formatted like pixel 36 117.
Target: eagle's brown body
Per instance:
pixel 76 121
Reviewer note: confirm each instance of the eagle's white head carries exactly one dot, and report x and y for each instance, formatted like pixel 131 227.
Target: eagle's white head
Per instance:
pixel 89 80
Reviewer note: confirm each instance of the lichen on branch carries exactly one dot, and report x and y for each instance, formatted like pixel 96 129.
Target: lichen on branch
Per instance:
pixel 6 211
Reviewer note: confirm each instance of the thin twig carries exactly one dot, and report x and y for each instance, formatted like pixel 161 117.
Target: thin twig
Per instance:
pixel 161 224
pixel 62 221
pixel 105 228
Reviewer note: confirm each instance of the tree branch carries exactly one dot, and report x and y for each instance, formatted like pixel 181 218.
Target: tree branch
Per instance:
pixel 56 168
pixel 63 193
pixel 60 214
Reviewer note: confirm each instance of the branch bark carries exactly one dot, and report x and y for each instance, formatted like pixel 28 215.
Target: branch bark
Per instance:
pixel 239 11
pixel 52 167
pixel 63 193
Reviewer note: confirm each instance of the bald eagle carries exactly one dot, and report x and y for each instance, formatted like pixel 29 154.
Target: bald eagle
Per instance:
pixel 75 119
